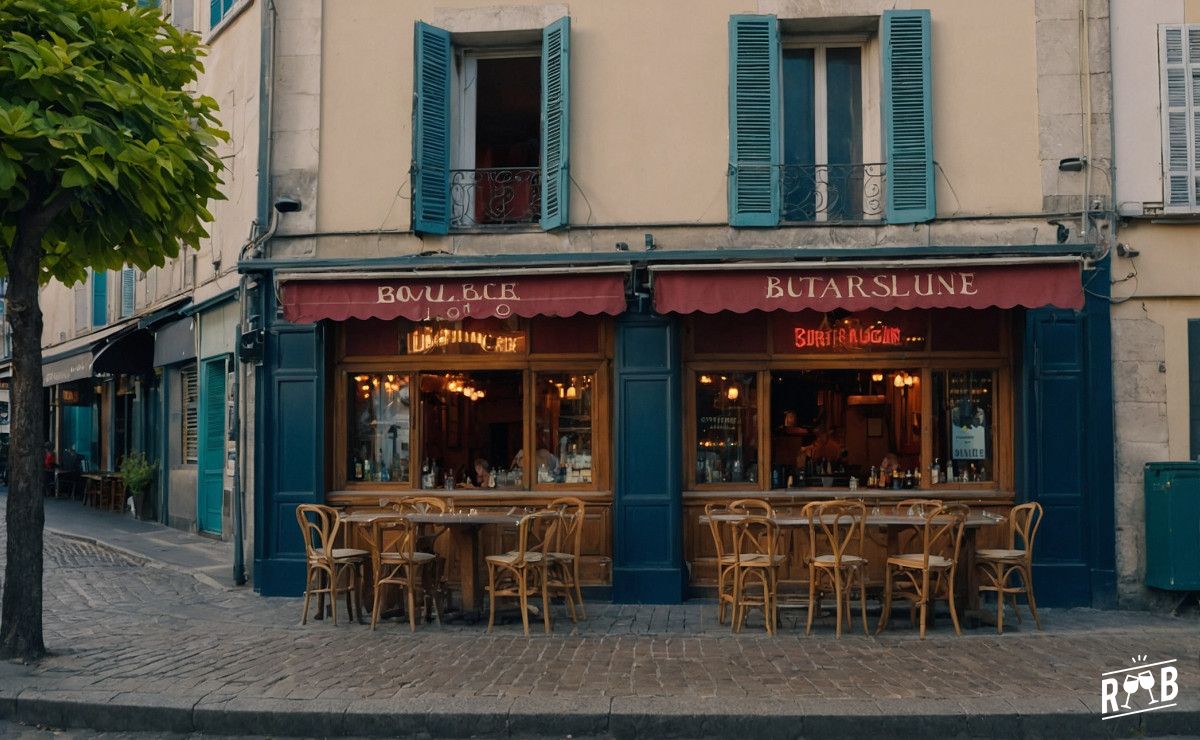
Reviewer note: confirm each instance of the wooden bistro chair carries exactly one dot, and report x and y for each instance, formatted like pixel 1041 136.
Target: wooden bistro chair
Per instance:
pixel 757 559
pixel 923 577
pixel 328 564
pixel 751 506
pixel 725 557
pixel 437 591
pixel 398 563
pixel 835 558
pixel 999 565
pixel 523 571
pixel 564 559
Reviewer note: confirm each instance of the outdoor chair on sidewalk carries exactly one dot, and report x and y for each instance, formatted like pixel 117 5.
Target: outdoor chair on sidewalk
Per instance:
pixel 563 568
pixel 725 557
pixel 999 565
pixel 757 559
pixel 925 577
pixel 437 587
pixel 328 565
pixel 397 563
pixel 835 559
pixel 522 572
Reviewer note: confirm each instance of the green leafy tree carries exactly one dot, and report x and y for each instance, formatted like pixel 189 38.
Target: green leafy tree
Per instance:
pixel 106 159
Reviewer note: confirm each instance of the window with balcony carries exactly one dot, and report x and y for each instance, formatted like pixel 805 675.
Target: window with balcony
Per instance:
pixel 490 131
pixel 800 148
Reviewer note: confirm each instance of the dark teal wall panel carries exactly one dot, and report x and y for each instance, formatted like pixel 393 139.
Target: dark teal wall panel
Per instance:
pixel 291 433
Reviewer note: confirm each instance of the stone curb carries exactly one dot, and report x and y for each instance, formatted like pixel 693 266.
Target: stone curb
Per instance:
pixel 141 559
pixel 626 717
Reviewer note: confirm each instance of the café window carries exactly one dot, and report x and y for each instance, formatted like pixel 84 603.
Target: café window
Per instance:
pixel 828 426
pixel 504 404
pixel 564 428
pixel 471 430
pixel 726 427
pixel 380 427
pixel 964 425
pixel 902 399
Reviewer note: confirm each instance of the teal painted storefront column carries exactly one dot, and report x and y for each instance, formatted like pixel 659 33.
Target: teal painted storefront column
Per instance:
pixel 289 439
pixel 648 493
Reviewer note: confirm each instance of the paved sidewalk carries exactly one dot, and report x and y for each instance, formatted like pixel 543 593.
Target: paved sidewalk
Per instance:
pixel 141 648
pixel 205 558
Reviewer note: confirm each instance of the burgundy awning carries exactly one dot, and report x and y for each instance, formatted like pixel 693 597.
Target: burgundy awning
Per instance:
pixel 819 289
pixel 480 297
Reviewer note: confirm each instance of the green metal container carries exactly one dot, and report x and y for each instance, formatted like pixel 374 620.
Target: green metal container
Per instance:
pixel 1172 492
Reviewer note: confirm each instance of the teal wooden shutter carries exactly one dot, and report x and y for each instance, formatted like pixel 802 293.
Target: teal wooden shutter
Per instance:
pixel 754 150
pixel 431 131
pixel 127 285
pixel 99 298
pixel 556 128
pixel 908 116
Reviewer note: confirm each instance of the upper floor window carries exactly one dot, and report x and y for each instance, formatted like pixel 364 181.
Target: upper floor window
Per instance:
pixel 799 148
pixel 490 132
pixel 1179 61
pixel 128 292
pixel 218 10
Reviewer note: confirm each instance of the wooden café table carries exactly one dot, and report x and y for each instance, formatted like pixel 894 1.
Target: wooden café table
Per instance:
pixel 464 528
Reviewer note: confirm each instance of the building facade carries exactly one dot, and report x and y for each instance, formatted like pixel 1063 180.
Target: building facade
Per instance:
pixel 528 250
pixel 782 248
pixel 1156 302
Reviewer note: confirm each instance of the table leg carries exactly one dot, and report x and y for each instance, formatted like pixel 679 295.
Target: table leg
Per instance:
pixel 466 551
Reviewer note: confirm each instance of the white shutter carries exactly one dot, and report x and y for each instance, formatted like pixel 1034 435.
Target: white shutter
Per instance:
pixel 1179 73
pixel 189 400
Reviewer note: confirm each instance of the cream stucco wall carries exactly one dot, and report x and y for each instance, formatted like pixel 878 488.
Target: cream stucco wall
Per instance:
pixel 649 105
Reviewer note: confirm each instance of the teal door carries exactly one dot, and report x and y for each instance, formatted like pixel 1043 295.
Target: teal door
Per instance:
pixel 209 487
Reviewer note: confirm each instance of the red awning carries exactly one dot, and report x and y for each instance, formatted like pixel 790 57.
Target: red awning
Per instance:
pixel 819 289
pixel 480 297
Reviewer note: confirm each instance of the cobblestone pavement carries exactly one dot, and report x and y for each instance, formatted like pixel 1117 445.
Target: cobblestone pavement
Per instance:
pixel 120 630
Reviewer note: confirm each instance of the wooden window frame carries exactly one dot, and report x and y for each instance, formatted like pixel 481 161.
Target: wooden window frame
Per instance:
pixel 529 364
pixel 926 361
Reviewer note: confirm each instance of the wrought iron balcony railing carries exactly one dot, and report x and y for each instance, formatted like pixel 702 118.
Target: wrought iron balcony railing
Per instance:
pixel 495 197
pixel 828 193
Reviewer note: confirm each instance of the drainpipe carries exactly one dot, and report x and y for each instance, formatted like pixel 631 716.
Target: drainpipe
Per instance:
pixel 251 249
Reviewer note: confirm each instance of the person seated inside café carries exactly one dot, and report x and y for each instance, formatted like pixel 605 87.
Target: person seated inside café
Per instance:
pixel 482 477
pixel 826 446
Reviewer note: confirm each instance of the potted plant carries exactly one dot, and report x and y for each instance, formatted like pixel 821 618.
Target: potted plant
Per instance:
pixel 137 471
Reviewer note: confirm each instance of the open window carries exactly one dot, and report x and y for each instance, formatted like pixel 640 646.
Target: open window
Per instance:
pixel 490 132
pixel 804 98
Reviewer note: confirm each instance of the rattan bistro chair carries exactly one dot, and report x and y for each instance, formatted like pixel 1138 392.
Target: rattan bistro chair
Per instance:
pixel 927 576
pixel 999 565
pixel 319 528
pixel 398 564
pixel 564 559
pixel 757 559
pixel 725 557
pixel 835 558
pixel 523 571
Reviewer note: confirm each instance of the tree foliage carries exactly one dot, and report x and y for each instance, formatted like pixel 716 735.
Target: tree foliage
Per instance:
pixel 96 116
pixel 107 158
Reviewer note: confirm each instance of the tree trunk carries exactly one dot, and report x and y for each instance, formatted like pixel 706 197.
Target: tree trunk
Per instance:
pixel 21 612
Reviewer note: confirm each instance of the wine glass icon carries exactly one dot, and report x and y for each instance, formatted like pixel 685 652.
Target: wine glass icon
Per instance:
pixel 1130 687
pixel 1146 680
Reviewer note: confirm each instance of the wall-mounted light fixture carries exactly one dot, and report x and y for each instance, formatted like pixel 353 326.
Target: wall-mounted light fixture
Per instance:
pixel 1072 164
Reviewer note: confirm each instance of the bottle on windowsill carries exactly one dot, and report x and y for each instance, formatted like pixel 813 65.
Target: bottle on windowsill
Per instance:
pixel 358 468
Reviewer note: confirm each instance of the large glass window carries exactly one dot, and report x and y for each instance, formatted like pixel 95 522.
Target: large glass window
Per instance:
pixel 564 428
pixel 726 427
pixel 380 427
pixel 471 430
pixel 964 424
